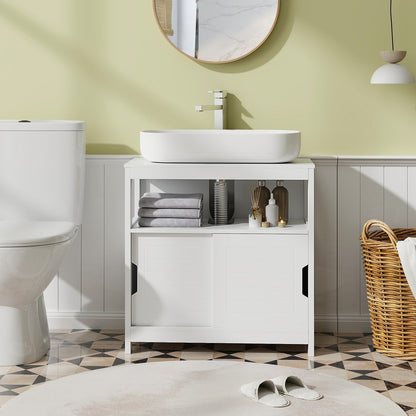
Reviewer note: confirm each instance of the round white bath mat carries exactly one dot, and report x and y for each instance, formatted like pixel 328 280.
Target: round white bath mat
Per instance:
pixel 190 388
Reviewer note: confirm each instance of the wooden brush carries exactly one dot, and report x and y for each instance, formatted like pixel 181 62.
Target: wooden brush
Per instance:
pixel 254 197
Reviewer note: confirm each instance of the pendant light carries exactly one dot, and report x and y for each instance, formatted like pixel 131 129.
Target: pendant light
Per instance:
pixel 392 72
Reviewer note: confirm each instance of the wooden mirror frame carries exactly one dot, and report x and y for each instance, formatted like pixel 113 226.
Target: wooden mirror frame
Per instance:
pixel 167 29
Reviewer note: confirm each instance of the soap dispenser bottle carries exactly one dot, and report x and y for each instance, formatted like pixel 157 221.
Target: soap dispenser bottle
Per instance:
pixel 281 195
pixel 263 199
pixel 272 212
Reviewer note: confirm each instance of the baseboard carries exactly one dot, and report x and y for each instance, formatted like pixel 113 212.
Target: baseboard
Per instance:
pixel 343 323
pixel 354 323
pixel 97 320
pixel 326 323
pixel 85 320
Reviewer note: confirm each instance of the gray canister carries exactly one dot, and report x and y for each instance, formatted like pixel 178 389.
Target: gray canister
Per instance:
pixel 221 201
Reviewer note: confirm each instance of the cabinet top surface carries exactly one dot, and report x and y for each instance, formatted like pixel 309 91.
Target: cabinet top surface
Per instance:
pixel 140 167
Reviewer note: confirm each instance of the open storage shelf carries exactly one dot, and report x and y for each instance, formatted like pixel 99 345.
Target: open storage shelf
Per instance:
pixel 240 226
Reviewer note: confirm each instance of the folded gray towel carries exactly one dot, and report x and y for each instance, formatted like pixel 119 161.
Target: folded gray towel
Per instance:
pixel 167 200
pixel 170 213
pixel 170 222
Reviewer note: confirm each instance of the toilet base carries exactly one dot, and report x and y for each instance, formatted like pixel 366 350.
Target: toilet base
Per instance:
pixel 24 333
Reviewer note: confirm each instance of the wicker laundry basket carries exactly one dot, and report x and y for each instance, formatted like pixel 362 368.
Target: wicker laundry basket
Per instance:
pixel 390 300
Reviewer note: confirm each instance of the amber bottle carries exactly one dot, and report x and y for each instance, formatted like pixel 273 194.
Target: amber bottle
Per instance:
pixel 264 199
pixel 281 195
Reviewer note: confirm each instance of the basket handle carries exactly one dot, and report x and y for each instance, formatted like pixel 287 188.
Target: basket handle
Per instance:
pixel 383 226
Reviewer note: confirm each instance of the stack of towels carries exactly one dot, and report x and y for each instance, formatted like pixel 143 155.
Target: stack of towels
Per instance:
pixel 170 210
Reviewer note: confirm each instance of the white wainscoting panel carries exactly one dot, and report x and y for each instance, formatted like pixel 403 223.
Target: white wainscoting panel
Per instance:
pixel 93 237
pixel 326 243
pixel 349 228
pixel 114 237
pixel 51 295
pixel 371 206
pixel 411 196
pixel 89 289
pixel 70 278
pixel 395 196
pixel 381 188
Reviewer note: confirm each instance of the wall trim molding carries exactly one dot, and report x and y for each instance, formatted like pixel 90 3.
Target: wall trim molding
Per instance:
pixel 342 323
pixel 332 160
pixel 354 323
pixel 364 160
pixel 377 161
pixel 105 320
pixel 110 157
pixel 85 320
pixel 324 160
pixel 325 323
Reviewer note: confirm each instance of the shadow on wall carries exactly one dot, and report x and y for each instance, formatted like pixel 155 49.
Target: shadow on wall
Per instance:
pixel 270 48
pixel 236 111
pixel 83 58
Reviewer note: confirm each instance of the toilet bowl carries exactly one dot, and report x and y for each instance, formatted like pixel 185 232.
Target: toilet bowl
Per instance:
pixel 41 189
pixel 30 255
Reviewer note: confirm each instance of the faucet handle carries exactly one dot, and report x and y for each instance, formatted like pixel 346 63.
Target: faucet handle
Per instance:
pixel 218 93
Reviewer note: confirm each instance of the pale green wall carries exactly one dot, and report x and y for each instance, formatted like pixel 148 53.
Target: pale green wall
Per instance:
pixel 106 62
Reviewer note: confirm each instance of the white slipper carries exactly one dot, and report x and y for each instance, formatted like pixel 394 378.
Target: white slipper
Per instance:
pixel 295 387
pixel 264 392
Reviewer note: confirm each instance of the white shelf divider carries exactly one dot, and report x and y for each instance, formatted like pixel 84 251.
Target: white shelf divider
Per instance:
pixel 240 226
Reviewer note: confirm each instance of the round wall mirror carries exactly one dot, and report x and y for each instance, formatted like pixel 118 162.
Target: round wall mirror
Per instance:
pixel 216 31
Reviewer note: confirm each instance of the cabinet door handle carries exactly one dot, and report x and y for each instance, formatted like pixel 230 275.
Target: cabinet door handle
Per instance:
pixel 133 279
pixel 305 281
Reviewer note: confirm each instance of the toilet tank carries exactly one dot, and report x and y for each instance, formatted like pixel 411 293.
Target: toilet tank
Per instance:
pixel 42 170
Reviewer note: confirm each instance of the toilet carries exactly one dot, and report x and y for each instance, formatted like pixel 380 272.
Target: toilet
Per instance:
pixel 41 198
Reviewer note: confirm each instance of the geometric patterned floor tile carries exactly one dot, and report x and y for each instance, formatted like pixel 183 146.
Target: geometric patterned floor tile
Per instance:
pixel 391 386
pixel 381 366
pixel 348 356
pixel 406 366
pixel 339 364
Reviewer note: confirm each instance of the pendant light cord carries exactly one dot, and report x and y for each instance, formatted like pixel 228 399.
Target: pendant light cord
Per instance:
pixel 391 26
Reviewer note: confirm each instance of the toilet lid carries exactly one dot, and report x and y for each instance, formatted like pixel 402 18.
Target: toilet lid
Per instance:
pixel 35 233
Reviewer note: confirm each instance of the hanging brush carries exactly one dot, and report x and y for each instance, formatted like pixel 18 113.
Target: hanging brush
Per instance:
pixel 255 198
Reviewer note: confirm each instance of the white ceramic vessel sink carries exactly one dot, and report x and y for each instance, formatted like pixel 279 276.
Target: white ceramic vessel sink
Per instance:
pixel 220 146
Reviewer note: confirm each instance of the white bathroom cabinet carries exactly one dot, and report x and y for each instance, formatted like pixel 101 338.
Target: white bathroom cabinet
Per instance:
pixel 220 283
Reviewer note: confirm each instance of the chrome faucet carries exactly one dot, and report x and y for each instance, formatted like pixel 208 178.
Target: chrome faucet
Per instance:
pixel 219 108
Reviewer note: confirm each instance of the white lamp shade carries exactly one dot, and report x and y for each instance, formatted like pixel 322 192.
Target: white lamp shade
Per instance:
pixel 392 74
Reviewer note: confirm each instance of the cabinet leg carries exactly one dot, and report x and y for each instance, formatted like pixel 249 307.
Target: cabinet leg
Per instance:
pixel 311 350
pixel 127 347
